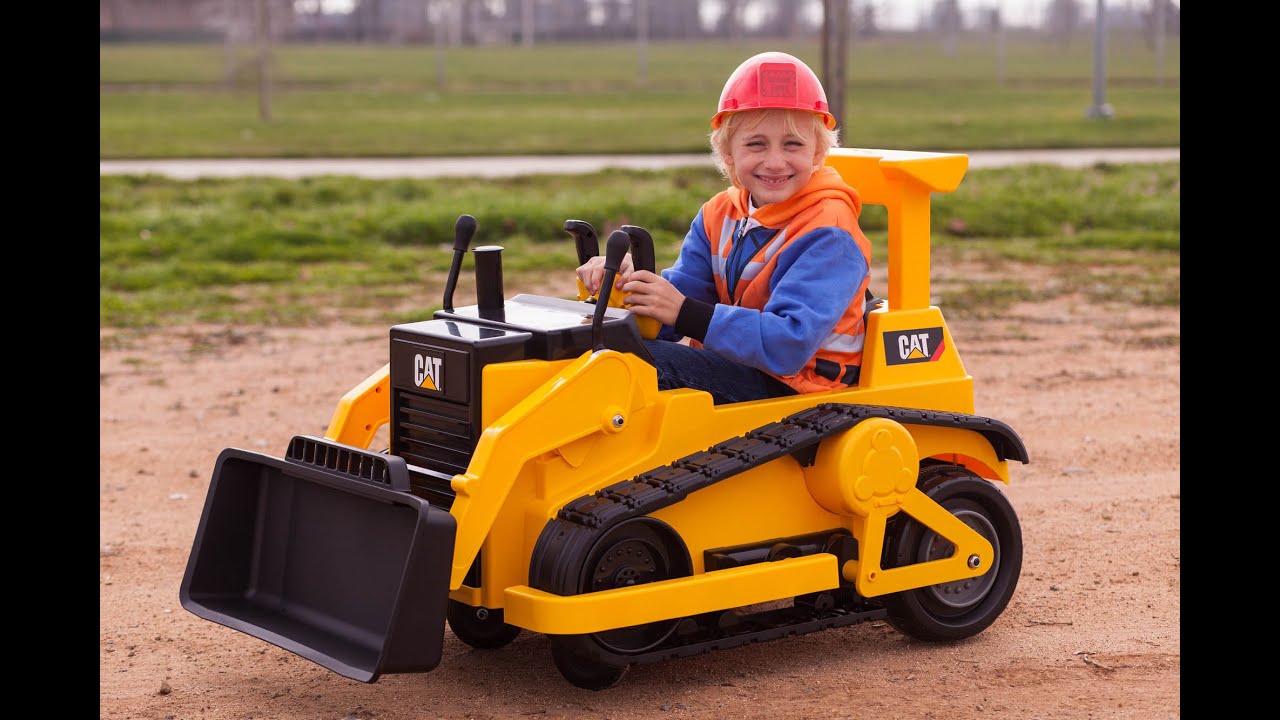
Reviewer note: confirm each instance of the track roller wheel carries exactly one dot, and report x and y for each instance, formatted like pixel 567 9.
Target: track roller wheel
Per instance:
pixel 481 628
pixel 636 551
pixel 584 672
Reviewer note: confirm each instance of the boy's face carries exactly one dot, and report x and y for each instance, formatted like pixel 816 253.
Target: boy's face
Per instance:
pixel 773 158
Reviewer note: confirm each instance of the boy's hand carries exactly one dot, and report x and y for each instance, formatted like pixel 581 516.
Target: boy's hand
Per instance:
pixel 591 273
pixel 652 296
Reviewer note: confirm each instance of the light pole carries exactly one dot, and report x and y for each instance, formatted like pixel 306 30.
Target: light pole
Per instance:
pixel 1100 108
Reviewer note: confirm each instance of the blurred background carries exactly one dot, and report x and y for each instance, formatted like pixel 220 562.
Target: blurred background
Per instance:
pixel 318 78
pixel 446 78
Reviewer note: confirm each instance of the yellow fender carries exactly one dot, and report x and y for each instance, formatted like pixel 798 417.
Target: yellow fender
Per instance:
pixel 866 476
pixel 594 394
pixel 362 411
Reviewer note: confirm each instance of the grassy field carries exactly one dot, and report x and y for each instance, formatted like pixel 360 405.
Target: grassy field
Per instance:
pixel 161 101
pixel 296 253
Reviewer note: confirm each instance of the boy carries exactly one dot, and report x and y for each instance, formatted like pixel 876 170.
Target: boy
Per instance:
pixel 769 282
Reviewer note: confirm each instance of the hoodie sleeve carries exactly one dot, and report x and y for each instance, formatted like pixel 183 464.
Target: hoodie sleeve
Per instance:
pixel 691 273
pixel 816 278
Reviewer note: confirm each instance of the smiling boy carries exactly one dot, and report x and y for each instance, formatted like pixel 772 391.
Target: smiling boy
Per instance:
pixel 769 282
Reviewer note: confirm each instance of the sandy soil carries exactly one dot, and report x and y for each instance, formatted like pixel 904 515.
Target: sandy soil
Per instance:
pixel 1092 631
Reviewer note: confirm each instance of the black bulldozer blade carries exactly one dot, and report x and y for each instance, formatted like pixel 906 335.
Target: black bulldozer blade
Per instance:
pixel 324 553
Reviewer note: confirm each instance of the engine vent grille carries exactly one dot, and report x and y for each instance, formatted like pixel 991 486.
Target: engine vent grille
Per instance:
pixel 431 433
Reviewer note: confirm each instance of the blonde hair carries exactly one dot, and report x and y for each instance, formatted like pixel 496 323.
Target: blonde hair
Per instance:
pixel 796 121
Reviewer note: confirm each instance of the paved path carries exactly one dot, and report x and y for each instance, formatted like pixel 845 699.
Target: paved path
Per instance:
pixel 530 164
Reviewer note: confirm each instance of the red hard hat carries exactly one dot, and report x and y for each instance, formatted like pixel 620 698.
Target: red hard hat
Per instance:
pixel 773 80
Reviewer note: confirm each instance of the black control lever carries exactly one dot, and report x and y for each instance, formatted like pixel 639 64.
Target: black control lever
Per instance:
pixel 641 248
pixel 615 249
pixel 642 258
pixel 463 230
pixel 584 238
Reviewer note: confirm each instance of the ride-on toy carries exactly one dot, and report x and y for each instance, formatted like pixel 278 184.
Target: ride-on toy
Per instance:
pixel 538 480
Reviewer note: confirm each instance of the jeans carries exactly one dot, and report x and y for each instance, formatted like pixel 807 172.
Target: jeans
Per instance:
pixel 680 366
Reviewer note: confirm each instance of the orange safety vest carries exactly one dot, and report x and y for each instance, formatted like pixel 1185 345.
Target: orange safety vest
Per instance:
pixel 825 201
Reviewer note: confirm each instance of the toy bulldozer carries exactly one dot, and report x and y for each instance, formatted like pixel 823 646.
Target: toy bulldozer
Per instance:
pixel 537 480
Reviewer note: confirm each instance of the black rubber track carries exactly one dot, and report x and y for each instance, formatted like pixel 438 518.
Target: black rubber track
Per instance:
pixel 560 553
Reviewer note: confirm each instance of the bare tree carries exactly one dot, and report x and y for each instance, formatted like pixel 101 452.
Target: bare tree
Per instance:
pixel 263 25
pixel 730 23
pixel 253 23
pixel 471 16
pixel 612 13
pixel 642 41
pixel 675 19
pixel 438 39
pixel 865 25
pixel 368 18
pixel 1160 21
pixel 1159 15
pixel 993 23
pixel 947 19
pixel 526 23
pixel 231 28
pixel 1061 17
pixel 782 18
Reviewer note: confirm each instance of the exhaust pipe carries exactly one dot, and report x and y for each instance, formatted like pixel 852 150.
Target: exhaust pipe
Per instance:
pixel 585 239
pixel 489 298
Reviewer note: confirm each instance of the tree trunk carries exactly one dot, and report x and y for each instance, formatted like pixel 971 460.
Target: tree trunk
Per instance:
pixel 835 53
pixel 526 23
pixel 438 35
pixel 642 40
pixel 229 43
pixel 1159 28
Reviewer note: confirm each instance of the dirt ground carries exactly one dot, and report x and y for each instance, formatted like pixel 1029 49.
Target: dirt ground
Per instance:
pixel 1093 630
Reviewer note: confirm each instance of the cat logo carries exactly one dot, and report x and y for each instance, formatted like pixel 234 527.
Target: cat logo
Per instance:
pixel 428 372
pixel 913 346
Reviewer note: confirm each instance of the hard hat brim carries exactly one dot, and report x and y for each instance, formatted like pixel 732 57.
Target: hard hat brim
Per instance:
pixel 828 120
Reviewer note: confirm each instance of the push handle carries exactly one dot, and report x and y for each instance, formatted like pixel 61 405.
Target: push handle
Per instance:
pixel 463 230
pixel 616 248
pixel 642 258
pixel 584 238
pixel 641 248
pixel 587 242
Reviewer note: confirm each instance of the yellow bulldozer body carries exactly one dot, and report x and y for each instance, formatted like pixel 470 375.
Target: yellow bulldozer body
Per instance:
pixel 560 430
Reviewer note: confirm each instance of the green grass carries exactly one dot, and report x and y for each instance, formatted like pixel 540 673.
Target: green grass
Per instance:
pixel 161 101
pixel 298 252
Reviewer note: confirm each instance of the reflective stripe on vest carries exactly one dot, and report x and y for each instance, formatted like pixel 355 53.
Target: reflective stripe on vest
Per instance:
pixel 718 259
pixel 842 343
pixel 753 268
